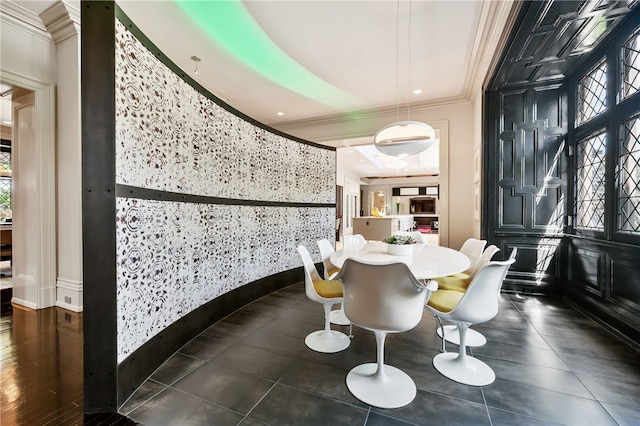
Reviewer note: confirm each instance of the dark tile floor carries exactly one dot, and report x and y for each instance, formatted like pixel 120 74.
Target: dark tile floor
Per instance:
pixel 553 366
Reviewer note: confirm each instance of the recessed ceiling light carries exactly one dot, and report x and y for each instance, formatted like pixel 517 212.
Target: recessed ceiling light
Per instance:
pixel 279 113
pixel 417 91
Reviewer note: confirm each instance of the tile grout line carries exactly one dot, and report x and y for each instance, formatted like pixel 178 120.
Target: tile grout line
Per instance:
pixel 259 401
pixel 486 406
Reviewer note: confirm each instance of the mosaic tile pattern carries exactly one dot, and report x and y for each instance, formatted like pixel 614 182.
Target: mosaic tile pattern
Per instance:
pixel 174 257
pixel 171 138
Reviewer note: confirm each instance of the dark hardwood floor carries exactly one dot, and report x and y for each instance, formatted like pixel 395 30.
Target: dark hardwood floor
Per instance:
pixel 41 376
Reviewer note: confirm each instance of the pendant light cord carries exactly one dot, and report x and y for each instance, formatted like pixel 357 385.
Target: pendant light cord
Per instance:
pixel 409 70
pixel 398 61
pixel 404 138
pixel 407 100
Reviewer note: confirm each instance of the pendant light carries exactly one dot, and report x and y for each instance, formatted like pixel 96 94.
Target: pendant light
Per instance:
pixel 403 138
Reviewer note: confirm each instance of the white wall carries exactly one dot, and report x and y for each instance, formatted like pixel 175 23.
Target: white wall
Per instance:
pixel 458 118
pixel 460 192
pixel 343 173
pixel 69 174
pixel 27 51
pixel 31 59
pixel 477 162
pixel 27 59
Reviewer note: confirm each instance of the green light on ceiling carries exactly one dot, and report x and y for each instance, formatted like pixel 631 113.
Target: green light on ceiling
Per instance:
pixel 231 25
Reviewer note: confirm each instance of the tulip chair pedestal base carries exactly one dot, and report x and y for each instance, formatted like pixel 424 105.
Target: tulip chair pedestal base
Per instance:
pixel 464 369
pixel 451 335
pixel 393 388
pixel 338 317
pixel 327 341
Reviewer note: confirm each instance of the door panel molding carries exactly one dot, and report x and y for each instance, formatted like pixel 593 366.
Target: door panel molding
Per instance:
pixel 41 220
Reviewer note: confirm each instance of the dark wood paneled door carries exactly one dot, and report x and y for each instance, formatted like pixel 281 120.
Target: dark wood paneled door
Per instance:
pixel 525 175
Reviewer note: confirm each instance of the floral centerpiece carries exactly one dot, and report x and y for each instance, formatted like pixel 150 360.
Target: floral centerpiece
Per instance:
pixel 400 245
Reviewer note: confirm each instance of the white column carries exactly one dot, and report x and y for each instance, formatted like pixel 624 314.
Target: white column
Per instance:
pixel 63 22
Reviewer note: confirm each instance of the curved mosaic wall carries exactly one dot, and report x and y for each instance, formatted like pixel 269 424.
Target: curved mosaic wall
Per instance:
pixel 173 257
pixel 172 138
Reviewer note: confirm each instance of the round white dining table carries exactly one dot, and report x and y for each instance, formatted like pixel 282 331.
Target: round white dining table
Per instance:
pixel 426 262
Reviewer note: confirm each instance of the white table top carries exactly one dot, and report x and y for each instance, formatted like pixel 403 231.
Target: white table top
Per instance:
pixel 426 263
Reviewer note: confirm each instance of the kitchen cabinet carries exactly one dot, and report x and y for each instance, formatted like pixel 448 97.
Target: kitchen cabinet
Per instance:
pixel 374 228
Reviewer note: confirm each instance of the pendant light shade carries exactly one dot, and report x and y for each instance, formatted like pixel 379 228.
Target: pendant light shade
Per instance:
pixel 404 138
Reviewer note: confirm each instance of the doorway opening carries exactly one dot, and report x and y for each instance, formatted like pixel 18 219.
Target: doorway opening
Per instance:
pixel 391 186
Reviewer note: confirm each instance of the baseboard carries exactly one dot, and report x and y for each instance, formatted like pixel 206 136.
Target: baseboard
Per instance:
pixel 20 283
pixel 30 305
pixel 69 294
pixel 139 365
pixel 620 329
pixel 68 307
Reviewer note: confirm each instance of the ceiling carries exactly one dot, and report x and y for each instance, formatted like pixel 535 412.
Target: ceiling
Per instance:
pixel 322 58
pixel 341 54
pixel 554 38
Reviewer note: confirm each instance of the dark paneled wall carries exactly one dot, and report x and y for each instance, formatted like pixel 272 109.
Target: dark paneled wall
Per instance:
pixel 524 169
pixel 603 268
pixel 604 282
pixel 529 161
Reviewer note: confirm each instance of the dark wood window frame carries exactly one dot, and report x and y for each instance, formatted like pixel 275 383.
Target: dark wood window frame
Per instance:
pixel 617 112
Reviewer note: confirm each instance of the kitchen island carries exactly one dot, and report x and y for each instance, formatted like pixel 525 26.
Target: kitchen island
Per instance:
pixel 374 228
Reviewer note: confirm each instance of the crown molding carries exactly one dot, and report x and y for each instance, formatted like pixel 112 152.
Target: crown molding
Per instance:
pixel 62 20
pixel 374 112
pixel 23 19
pixel 496 21
pixel 341 126
pixel 506 20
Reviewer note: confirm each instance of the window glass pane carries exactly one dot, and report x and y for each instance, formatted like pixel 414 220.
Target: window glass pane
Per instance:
pixel 630 82
pixel 592 93
pixel 590 180
pixel 628 177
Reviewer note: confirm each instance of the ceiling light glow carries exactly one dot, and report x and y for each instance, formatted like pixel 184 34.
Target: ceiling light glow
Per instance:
pixel 231 25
